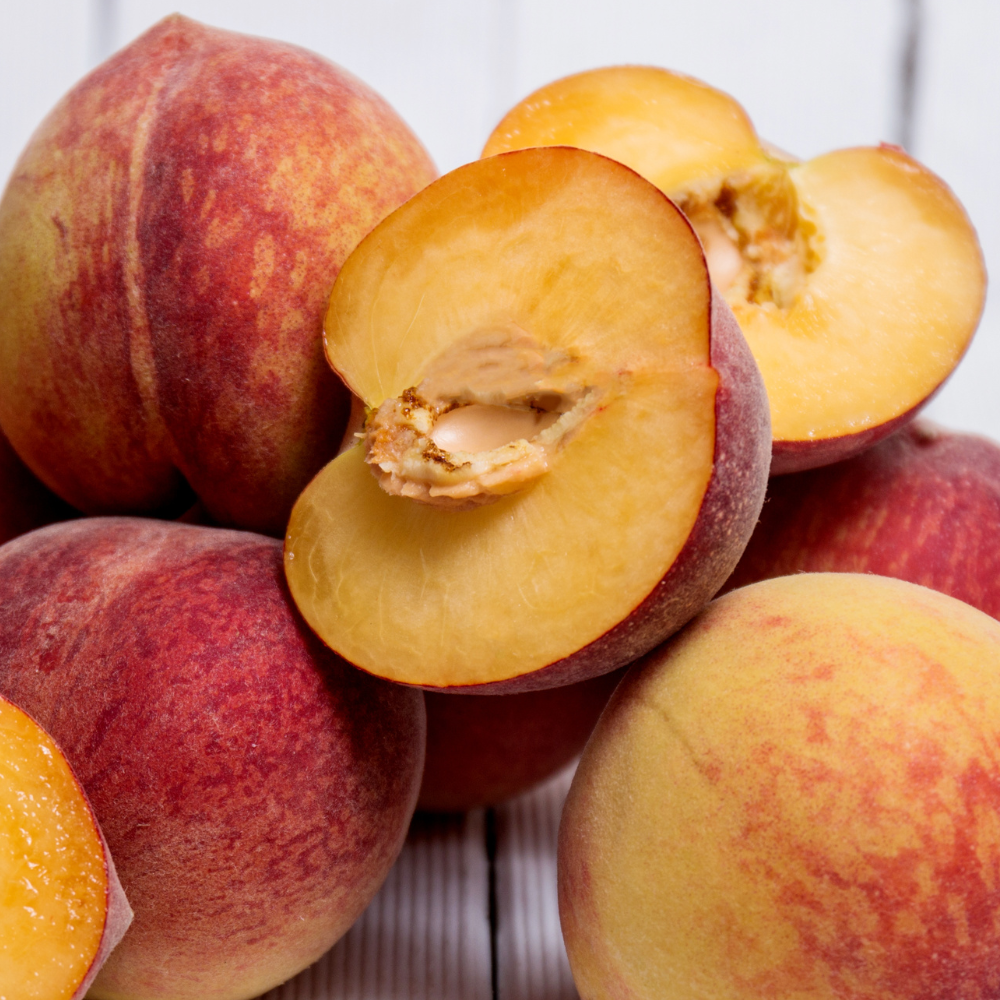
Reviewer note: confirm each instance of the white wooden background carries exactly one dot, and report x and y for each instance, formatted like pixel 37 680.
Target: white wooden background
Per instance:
pixel 814 75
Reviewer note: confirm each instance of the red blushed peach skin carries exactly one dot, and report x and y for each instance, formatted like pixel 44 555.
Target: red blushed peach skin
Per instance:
pixel 797 796
pixel 800 456
pixel 532 283
pixel 62 909
pixel 923 506
pixel 253 788
pixel 481 751
pixel 856 277
pixel 168 241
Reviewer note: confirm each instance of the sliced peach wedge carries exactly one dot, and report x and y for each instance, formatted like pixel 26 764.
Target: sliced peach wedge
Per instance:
pixel 62 908
pixel 856 276
pixel 567 438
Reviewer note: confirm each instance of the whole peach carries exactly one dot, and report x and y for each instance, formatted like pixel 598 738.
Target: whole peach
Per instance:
pixel 923 506
pixel 168 241
pixel 797 796
pixel 483 749
pixel 254 789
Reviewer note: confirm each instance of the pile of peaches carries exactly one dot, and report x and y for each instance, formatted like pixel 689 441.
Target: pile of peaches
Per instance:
pixel 515 426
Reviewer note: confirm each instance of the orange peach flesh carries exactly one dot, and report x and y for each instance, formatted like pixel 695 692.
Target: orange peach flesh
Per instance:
pixel 439 597
pixel 796 797
pixel 52 868
pixel 856 277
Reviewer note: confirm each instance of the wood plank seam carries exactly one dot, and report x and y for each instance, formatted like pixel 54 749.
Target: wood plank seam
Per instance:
pixel 909 72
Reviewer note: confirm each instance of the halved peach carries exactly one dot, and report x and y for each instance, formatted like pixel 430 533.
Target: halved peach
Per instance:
pixel 568 435
pixel 62 909
pixel 856 277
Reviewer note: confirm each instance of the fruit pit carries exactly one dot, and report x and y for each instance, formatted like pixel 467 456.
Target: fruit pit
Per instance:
pixel 487 420
pixel 759 244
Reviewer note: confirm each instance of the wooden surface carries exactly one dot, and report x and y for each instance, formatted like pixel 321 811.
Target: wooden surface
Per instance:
pixel 531 960
pixel 470 906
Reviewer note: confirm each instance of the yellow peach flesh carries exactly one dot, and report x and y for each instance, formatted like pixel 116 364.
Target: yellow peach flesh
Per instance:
pixel 889 309
pixel 583 548
pixel 386 323
pixel 861 281
pixel 440 597
pixel 52 870
pixel 710 133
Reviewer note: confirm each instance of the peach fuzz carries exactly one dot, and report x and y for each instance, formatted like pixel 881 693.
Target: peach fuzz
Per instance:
pixel 62 909
pixel 923 506
pixel 856 276
pixel 168 240
pixel 616 449
pixel 798 796
pixel 254 789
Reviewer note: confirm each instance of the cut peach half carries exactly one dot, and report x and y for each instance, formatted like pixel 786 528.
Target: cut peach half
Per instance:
pixel 856 277
pixel 62 909
pixel 567 439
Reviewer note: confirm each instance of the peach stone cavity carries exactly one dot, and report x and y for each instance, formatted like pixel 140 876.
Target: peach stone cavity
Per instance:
pixel 760 244
pixel 487 420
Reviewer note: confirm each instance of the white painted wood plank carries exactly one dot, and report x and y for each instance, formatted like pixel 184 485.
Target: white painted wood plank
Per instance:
pixel 813 75
pixel 957 135
pixel 44 50
pixel 426 934
pixel 531 958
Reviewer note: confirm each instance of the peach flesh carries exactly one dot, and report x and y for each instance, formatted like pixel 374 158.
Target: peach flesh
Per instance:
pixel 798 796
pixel 254 789
pixel 168 240
pixel 856 277
pixel 621 538
pixel 63 909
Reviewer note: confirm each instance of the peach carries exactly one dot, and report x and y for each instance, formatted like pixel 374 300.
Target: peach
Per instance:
pixel 797 796
pixel 567 439
pixel 62 909
pixel 856 276
pixel 923 506
pixel 254 789
pixel 168 241
pixel 484 750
